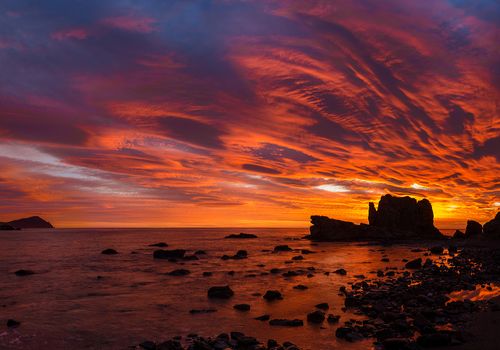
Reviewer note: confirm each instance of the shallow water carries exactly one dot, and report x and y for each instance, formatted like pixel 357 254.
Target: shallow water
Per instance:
pixel 64 305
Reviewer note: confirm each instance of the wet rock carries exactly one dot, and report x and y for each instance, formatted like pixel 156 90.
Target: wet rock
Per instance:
pixel 109 251
pixel 473 229
pixel 340 272
pixel 333 318
pixel 348 334
pixel 240 254
pixel 241 307
pixel 317 316
pixel 282 248
pixel 298 257
pixel 159 244
pixel 148 345
pixel 207 274
pixel 323 306
pixel 11 323
pixel 220 292
pixel 263 318
pixel 179 272
pixel 169 254
pixel 385 260
pixel 241 236
pixel 272 295
pixel 286 322
pixel 22 273
pixel 300 287
pixel 437 250
pixel 306 251
pixel 414 264
pixel 190 257
pixel 170 345
pixel 200 252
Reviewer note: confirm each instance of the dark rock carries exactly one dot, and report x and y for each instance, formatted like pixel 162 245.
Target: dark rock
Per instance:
pixel 323 306
pixel 200 252
pixel 159 244
pixel 13 323
pixel 6 227
pixel 282 248
pixel 316 316
pixel 179 272
pixel 341 272
pixel 436 250
pixel 22 273
pixel 300 287
pixel 207 274
pixel 348 334
pixel 298 257
pixel 220 292
pixel 397 344
pixel 333 318
pixel 170 345
pixel 492 228
pixel 414 264
pixel 263 318
pixel 432 340
pixel 272 295
pixel 286 323
pixel 148 345
pixel 169 254
pixel 242 236
pixel 190 257
pixel 473 229
pixel 109 251
pixel 242 307
pixel 31 222
pixel 306 251
pixel 458 234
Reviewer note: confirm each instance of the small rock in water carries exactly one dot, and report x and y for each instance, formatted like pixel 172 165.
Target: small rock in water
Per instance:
pixel 272 295
pixel 242 307
pixel 436 250
pixel 242 236
pixel 169 254
pixel 323 306
pixel 159 244
pixel 109 251
pixel 282 248
pixel 300 287
pixel 207 274
pixel 263 318
pixel 202 311
pixel 148 345
pixel 179 272
pixel 333 318
pixel 341 272
pixel 286 323
pixel 220 292
pixel 13 323
pixel 22 273
pixel 316 316
pixel 200 252
pixel 414 264
pixel 298 257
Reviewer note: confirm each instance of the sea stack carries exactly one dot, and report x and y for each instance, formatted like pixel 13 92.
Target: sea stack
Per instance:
pixel 395 218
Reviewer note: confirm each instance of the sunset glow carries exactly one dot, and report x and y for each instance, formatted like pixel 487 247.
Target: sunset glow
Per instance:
pixel 247 114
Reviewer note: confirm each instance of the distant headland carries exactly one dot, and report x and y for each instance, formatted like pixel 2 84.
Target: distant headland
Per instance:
pixel 30 222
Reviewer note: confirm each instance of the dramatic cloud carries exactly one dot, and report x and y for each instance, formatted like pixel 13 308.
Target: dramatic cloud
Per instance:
pixel 247 113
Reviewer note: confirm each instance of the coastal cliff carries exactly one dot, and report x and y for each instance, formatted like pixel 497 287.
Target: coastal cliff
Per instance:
pixel 395 218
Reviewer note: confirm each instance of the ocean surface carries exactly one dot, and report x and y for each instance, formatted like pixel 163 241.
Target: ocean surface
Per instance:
pixel 82 299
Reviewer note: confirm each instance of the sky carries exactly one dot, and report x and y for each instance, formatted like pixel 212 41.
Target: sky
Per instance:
pixel 247 113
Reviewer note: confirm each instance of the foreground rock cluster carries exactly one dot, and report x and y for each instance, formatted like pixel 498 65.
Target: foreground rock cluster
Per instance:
pixel 395 218
pixel 474 230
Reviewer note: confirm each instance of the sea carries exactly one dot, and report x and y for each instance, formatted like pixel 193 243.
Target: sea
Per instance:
pixel 79 298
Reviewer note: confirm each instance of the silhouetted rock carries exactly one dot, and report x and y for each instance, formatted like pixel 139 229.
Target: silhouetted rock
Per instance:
pixel 414 264
pixel 241 307
pixel 263 318
pixel 159 244
pixel 13 323
pixel 395 218
pixel 31 222
pixel 169 254
pixel 491 229
pixel 220 292
pixel 342 272
pixel 458 234
pixel 22 273
pixel 436 250
pixel 272 295
pixel 242 236
pixel 473 229
pixel 282 248
pixel 109 251
pixel 179 272
pixel 317 316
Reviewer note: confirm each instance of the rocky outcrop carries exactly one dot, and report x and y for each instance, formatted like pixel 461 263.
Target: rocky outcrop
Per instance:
pixel 31 222
pixel 395 218
pixel 491 229
pixel 473 229
pixel 6 227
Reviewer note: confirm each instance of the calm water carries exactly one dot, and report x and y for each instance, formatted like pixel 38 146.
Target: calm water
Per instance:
pixel 64 305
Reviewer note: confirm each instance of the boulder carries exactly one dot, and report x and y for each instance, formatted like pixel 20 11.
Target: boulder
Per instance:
pixel 286 323
pixel 317 316
pixel 109 251
pixel 220 292
pixel 272 295
pixel 491 229
pixel 473 229
pixel 22 273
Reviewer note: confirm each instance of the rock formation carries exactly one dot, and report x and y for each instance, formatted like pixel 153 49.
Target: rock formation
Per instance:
pixel 473 229
pixel 492 228
pixel 6 227
pixel 395 218
pixel 31 222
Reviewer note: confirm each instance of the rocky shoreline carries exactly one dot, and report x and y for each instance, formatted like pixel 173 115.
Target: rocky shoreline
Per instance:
pixel 405 308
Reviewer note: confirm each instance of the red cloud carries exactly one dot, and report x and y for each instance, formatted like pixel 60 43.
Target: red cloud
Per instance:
pixel 72 33
pixel 131 23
